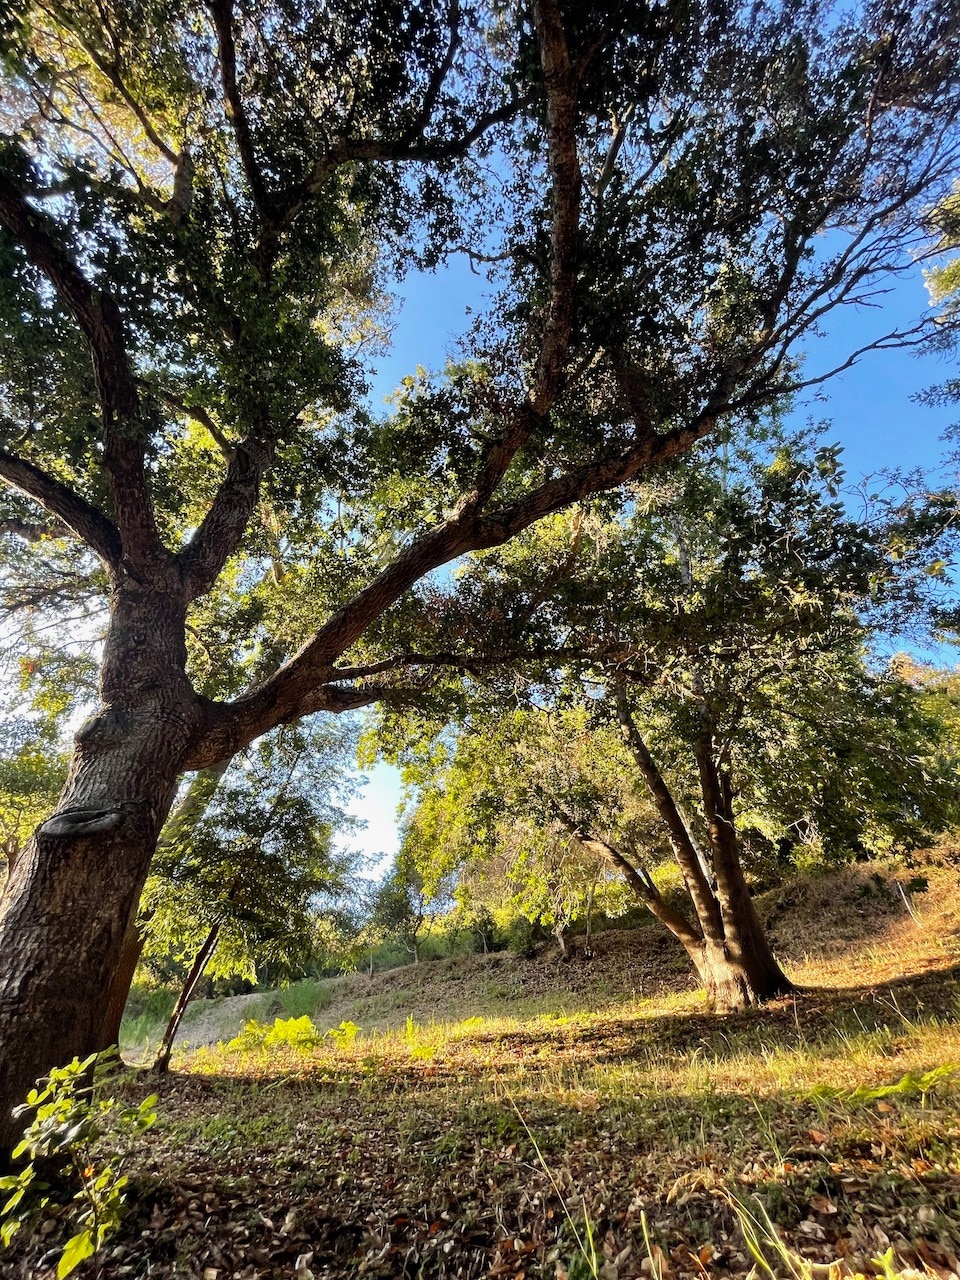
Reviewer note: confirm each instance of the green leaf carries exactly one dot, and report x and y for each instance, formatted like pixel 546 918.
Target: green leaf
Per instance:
pixel 77 1250
pixel 9 1230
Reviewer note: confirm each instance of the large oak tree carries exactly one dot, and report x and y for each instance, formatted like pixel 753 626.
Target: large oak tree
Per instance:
pixel 198 199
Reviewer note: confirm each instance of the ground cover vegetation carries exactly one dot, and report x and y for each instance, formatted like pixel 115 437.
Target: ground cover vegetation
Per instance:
pixel 586 1118
pixel 201 206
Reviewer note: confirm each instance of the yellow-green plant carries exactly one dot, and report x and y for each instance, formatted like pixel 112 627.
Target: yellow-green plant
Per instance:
pixel 344 1035
pixel 283 1033
pixel 67 1121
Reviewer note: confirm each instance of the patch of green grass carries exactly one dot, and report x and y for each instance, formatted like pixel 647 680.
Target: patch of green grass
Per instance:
pixel 305 998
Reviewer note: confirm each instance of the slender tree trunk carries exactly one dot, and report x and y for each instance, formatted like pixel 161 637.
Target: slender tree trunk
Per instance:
pixel 119 988
pixel 74 891
pixel 181 822
pixel 201 960
pixel 690 858
pixel 11 852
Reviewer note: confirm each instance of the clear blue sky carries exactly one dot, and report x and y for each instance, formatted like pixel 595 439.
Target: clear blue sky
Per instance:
pixel 870 407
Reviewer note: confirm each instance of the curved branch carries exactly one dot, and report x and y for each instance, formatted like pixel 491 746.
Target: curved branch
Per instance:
pixel 640 882
pixel 436 82
pixel 392 150
pixel 685 850
pixel 205 419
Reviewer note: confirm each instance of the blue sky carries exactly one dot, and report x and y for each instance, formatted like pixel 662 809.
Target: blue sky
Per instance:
pixel 870 408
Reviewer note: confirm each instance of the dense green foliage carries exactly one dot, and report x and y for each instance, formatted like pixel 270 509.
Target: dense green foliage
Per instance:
pixel 732 604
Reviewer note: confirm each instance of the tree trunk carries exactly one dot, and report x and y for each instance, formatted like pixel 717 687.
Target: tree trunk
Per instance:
pixel 736 979
pixel 744 971
pixel 74 891
pixel 733 977
pixel 181 822
pixel 728 946
pixel 119 988
pixel 200 963
pixel 690 858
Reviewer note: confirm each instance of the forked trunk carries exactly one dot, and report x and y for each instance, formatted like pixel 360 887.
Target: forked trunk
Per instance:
pixel 725 940
pixel 739 967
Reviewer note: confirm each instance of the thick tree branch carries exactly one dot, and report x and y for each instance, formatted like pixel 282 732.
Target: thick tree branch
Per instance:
pixel 221 11
pixel 566 183
pixel 80 516
pixel 293 685
pixel 224 524
pixel 98 317
pixel 227 736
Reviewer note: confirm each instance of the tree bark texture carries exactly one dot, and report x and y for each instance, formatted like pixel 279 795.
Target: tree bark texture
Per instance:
pixel 73 894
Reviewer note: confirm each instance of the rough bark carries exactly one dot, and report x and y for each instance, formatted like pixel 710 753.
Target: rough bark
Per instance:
pixel 74 892
pixel 737 978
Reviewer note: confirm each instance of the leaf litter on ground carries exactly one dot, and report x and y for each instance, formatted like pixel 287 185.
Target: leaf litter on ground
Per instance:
pixel 642 1140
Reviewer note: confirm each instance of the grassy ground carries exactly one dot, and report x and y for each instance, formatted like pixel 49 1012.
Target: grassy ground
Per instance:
pixel 536 1136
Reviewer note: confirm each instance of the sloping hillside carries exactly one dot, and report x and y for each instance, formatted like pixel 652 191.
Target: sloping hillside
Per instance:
pixel 854 925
